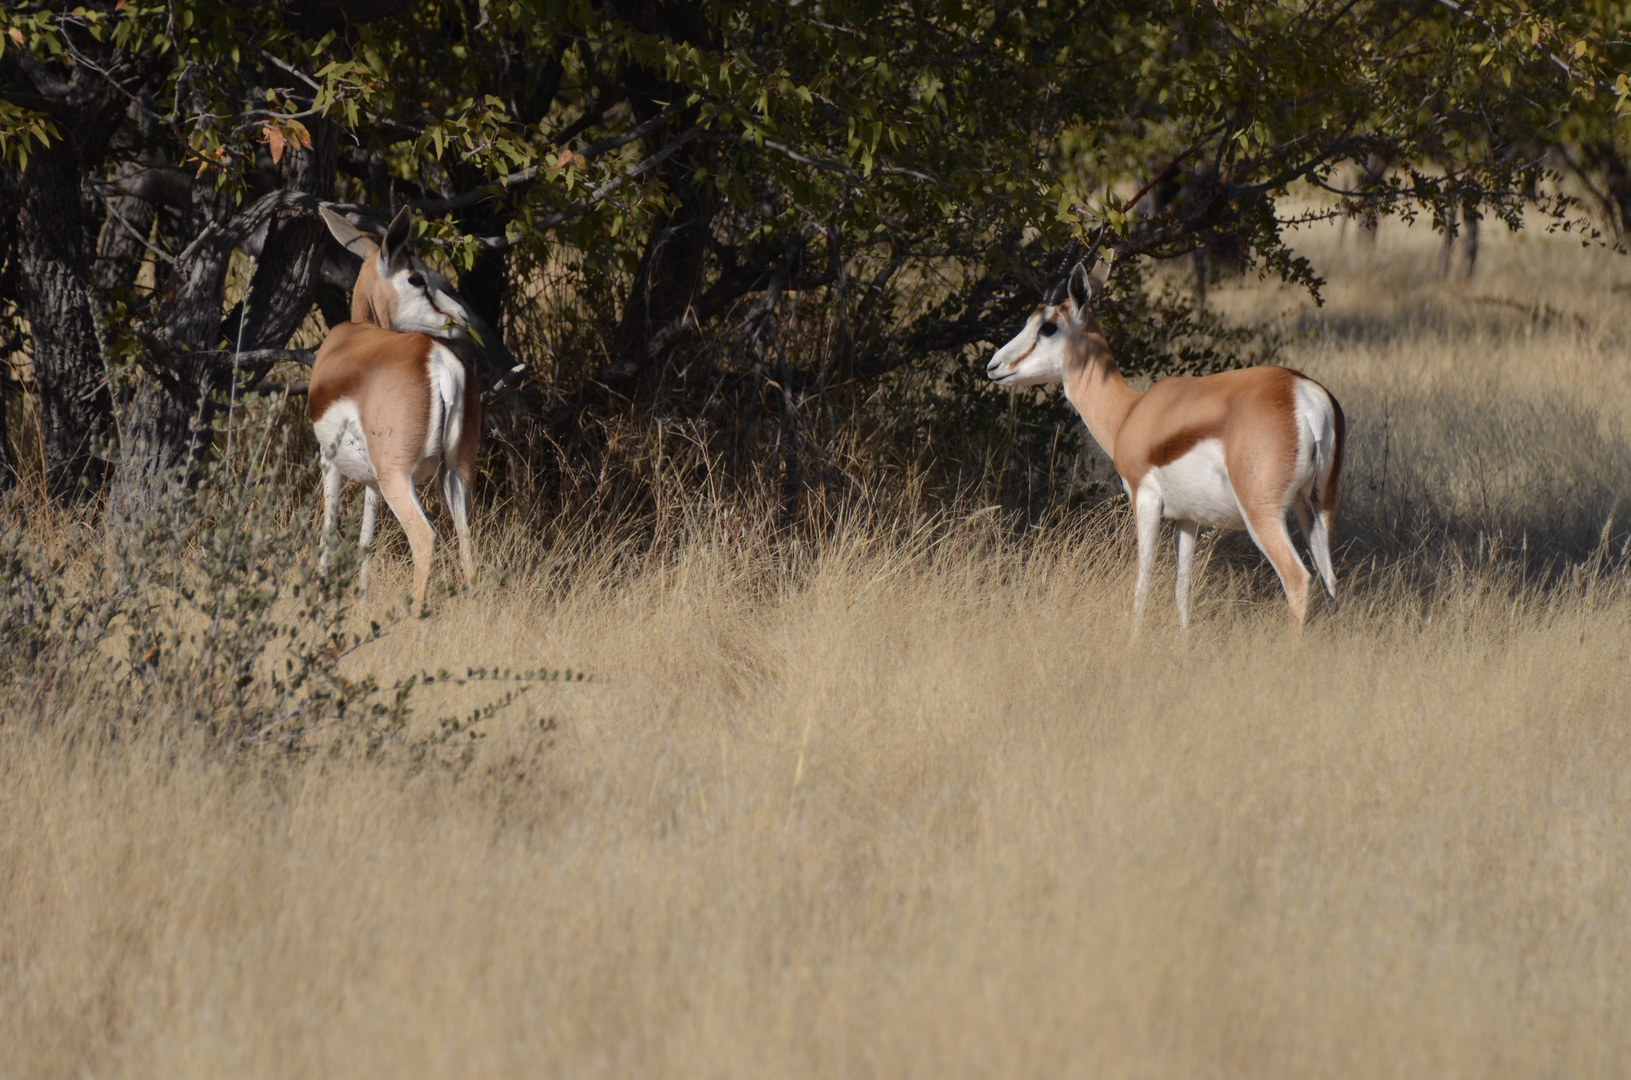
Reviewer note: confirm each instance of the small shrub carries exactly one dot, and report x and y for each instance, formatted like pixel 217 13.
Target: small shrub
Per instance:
pixel 206 608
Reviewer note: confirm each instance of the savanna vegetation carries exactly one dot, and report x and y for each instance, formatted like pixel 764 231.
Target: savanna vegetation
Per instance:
pixel 764 232
pixel 907 800
pixel 794 726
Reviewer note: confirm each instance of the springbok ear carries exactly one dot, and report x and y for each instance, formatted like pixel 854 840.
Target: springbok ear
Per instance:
pixel 398 241
pixel 350 237
pixel 1080 288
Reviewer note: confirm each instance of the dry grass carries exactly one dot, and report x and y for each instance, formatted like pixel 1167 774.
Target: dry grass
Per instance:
pixel 914 804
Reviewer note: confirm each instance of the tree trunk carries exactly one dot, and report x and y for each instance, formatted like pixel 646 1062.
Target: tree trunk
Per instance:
pixel 1612 167
pixel 667 286
pixel 8 464
pixel 86 101
pixel 291 258
pixel 10 330
pixel 1199 261
pixel 1469 244
pixel 72 401
pixel 485 286
pixel 1446 247
pixel 529 83
pixel 165 425
pixel 120 250
pixel 671 267
pixel 665 283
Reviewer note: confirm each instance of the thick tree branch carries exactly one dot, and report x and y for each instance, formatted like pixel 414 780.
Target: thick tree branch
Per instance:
pixel 163 184
pixel 229 233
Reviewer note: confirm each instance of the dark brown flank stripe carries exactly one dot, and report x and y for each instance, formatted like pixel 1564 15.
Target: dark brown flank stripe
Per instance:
pixel 1178 444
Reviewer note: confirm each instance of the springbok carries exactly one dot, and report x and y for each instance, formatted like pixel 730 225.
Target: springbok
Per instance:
pixel 392 403
pixel 1237 449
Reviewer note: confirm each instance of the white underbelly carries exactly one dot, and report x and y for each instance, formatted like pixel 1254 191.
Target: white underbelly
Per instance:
pixel 1196 488
pixel 340 439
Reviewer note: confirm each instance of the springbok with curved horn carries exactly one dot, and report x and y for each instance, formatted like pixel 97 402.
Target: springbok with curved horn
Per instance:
pixel 392 404
pixel 1238 449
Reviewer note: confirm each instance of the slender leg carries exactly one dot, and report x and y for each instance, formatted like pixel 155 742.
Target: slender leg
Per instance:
pixel 1319 543
pixel 404 503
pixel 1314 538
pixel 456 494
pixel 1317 533
pixel 370 518
pixel 1267 526
pixel 1305 517
pixel 1147 513
pixel 331 509
pixel 1186 563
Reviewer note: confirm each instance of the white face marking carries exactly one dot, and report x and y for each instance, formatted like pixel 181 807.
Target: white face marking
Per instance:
pixel 425 302
pixel 1036 355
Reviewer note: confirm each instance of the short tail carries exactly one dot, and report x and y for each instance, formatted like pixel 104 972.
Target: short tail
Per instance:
pixel 450 382
pixel 1328 451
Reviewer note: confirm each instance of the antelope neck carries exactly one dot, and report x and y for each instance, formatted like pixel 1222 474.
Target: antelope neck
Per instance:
pixel 1094 385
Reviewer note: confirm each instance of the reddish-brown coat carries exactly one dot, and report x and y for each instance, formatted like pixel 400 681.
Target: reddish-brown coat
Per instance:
pixel 356 356
pixel 391 379
pixel 1167 420
pixel 372 300
pixel 1251 412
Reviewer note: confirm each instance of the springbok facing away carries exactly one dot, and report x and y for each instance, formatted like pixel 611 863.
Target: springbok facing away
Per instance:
pixel 390 409
pixel 1237 449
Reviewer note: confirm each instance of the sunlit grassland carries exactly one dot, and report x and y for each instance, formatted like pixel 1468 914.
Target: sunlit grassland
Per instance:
pixel 909 800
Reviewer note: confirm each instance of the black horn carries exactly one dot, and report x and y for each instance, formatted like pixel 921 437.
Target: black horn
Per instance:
pixel 1093 249
pixel 1055 291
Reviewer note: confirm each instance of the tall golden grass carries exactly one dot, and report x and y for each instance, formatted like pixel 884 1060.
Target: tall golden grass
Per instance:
pixel 909 801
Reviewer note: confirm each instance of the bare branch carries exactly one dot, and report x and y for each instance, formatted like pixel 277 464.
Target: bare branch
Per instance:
pixel 267 386
pixel 833 166
pixel 1171 165
pixel 134 232
pixel 292 70
pixel 224 360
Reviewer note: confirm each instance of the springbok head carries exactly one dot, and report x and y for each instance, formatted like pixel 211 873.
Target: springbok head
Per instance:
pixel 1036 355
pixel 394 289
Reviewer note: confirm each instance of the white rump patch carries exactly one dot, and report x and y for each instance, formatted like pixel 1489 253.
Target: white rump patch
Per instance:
pixel 341 440
pixel 1316 430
